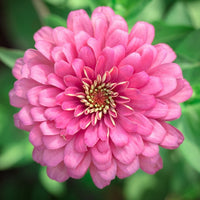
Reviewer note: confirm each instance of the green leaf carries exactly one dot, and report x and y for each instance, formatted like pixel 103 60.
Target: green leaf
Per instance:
pixel 193 8
pixel 9 56
pixel 189 48
pixel 171 35
pixel 54 21
pixel 53 187
pixel 189 125
pixel 136 185
pixel 178 9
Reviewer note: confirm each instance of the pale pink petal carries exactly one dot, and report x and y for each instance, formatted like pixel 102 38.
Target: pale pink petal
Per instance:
pixel 53 157
pixel 47 97
pixel 79 143
pixel 17 68
pixel 37 155
pixel 58 54
pixel 97 179
pixel 157 133
pixel 45 33
pixel 63 68
pixel 81 169
pixel 58 173
pixel 150 149
pixel 144 31
pixel 119 136
pixel 124 171
pixel 35 136
pixel 173 138
pixel 118 37
pixel 151 165
pixel 79 21
pixel 127 124
pixel 103 131
pixel 53 141
pixel 72 157
pixel 62 35
pixel 37 114
pixel 90 136
pixel 25 116
pixel 15 100
pixel 48 128
pixel 56 81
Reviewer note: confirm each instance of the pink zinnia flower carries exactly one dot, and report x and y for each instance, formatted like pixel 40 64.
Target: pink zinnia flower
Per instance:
pixel 94 96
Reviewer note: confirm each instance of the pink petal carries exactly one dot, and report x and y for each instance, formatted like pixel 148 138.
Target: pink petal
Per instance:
pixel 124 171
pixel 79 110
pixel 119 136
pixel 63 119
pixel 165 54
pixel 38 155
pixel 70 52
pixel 37 114
pixel 48 128
pixel 72 157
pixel 108 54
pixel 158 111
pixel 169 84
pixel 53 141
pixel 53 113
pixel 45 33
pixel 110 173
pixel 47 97
pixel 79 21
pixel 73 126
pixel 58 173
pixel 168 69
pixel 125 72
pixel 125 154
pixel 150 149
pixel 127 124
pixel 85 122
pixel 97 179
pixel 63 68
pixel 33 95
pixel 148 53
pixel 106 11
pixel 134 44
pixel 15 100
pixel 72 81
pixel 95 45
pixel 144 126
pixel 174 110
pixel 35 136
pixel 56 81
pixel 157 133
pixel 58 54
pixel 81 40
pixel 151 165
pixel 22 86
pixel 39 73
pixel 140 100
pixel 153 86
pixel 173 138
pixel 62 35
pixel 103 131
pixel 17 68
pixel 80 145
pixel 70 105
pixel 138 80
pixel 25 116
pixel 77 66
pixel 81 169
pixel 91 136
pixel 183 94
pixel 87 55
pixel 132 59
pixel 117 37
pixel 53 157
pixel 144 31
pixel 119 54
pixel 45 48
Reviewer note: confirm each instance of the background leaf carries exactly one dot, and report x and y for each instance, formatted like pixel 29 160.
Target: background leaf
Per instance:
pixel 9 56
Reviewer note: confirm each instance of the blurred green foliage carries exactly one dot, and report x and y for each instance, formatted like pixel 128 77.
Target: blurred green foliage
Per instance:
pixel 177 23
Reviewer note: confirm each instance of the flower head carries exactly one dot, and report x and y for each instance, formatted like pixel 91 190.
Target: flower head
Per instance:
pixel 94 96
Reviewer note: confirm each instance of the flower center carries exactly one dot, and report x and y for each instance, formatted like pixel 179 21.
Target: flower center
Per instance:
pixel 99 96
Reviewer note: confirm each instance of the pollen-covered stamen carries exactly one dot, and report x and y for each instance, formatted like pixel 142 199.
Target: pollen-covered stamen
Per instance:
pixel 99 97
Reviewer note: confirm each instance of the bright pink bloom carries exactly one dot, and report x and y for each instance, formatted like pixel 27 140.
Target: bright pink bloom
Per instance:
pixel 94 96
